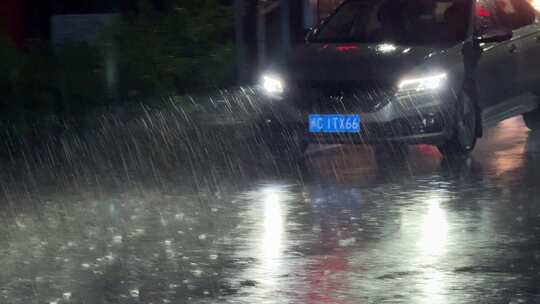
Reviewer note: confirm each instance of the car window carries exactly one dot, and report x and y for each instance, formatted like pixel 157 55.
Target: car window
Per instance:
pixel 485 17
pixel 496 14
pixel 515 14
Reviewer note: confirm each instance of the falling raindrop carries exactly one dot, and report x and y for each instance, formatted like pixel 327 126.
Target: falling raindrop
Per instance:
pixel 66 296
pixel 134 293
pixel 347 242
pixel 117 239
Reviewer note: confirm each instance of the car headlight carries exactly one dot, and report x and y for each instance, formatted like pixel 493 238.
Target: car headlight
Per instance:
pixel 432 82
pixel 272 84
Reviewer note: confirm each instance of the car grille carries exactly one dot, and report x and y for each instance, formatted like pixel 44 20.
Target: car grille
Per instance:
pixel 342 96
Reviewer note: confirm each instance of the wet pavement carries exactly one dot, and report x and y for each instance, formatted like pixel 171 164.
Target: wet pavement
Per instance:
pixel 345 228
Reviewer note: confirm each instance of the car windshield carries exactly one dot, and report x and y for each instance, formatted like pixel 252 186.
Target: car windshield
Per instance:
pixel 409 22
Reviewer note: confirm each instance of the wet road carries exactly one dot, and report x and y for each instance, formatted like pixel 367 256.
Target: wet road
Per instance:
pixel 345 229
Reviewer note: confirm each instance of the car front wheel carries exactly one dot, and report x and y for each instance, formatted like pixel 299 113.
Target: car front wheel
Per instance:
pixel 464 136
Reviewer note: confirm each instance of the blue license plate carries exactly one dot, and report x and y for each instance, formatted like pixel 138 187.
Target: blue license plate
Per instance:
pixel 335 123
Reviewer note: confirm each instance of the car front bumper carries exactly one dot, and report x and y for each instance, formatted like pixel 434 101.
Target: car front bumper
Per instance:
pixel 419 118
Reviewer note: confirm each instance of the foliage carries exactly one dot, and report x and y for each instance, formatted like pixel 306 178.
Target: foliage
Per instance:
pixel 8 63
pixel 42 81
pixel 184 46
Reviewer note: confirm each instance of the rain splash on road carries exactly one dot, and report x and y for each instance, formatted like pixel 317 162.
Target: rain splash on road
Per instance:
pixel 241 227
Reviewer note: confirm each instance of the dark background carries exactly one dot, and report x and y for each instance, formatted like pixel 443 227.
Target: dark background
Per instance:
pixel 30 18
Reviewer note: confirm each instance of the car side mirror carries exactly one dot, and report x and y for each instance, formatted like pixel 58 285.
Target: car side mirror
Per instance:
pixel 495 35
pixel 308 33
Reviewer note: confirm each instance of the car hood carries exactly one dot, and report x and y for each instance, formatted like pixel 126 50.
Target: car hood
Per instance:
pixel 354 62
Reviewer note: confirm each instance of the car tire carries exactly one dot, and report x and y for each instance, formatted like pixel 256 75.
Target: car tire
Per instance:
pixel 465 131
pixel 532 120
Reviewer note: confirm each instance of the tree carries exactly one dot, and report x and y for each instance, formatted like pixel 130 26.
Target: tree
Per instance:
pixel 186 45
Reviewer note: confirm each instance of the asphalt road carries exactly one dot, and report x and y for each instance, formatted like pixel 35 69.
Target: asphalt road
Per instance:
pixel 343 229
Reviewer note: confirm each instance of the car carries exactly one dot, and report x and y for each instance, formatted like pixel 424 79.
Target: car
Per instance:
pixel 400 72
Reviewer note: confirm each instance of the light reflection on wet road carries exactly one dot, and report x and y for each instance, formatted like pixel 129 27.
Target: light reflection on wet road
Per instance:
pixel 350 230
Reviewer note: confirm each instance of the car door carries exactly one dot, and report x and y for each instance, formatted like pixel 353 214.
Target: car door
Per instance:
pixel 529 61
pixel 496 65
pixel 520 16
pixel 502 68
pixel 533 57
